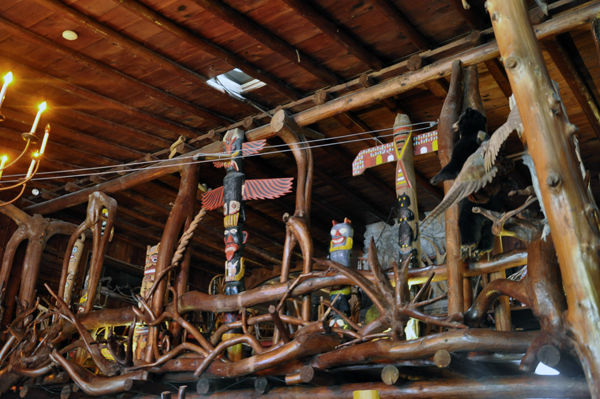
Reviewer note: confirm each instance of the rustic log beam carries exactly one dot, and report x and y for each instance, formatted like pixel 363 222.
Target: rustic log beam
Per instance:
pixel 571 215
pixel 446 140
pixel 437 87
pixel 391 12
pixel 136 48
pixel 563 60
pixel 114 74
pixel 318 19
pixel 513 387
pixel 563 23
pixel 262 35
pixel 390 103
pixel 568 21
pixel 497 71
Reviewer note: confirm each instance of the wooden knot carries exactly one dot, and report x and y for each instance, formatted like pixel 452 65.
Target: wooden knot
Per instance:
pixel 553 179
pixel 511 62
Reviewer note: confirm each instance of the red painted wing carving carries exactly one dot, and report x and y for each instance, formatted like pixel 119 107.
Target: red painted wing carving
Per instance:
pixel 219 164
pixel 267 188
pixel 213 199
pixel 253 147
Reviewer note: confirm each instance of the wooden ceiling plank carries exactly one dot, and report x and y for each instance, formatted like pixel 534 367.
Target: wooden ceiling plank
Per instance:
pixel 499 74
pixel 560 24
pixel 135 84
pixel 470 16
pixel 62 131
pixel 98 99
pixel 116 128
pixel 395 15
pixel 318 19
pixel 262 35
pixel 67 150
pixel 209 47
pixel 572 75
pixel 135 48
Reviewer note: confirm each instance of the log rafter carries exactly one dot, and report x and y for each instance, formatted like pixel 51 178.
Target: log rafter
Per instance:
pixel 94 65
pixel 262 35
pixel 573 19
pixel 208 47
pixel 329 28
pixel 132 46
pixel 408 29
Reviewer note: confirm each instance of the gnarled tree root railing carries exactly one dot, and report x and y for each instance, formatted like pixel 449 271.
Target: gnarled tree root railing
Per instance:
pixel 195 301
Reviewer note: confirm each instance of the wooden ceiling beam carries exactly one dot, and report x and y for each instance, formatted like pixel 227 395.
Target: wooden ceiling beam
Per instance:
pixel 390 103
pixel 563 59
pixel 356 100
pixel 470 16
pixel 262 35
pixel 497 71
pixel 105 146
pixel 437 87
pixel 334 32
pixel 408 29
pixel 137 49
pixel 208 47
pixel 174 129
pixel 54 147
pixel 408 81
pixel 111 73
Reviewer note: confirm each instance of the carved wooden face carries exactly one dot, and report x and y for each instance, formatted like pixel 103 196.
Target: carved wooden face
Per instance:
pixel 341 235
pixel 235 239
pixel 233 146
pixel 152 256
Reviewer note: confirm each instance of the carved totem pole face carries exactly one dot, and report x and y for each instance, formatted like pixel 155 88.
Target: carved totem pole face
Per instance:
pixel 234 247
pixel 406 235
pixel 342 235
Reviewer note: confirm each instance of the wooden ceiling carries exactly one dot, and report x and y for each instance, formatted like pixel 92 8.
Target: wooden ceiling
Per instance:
pixel 135 80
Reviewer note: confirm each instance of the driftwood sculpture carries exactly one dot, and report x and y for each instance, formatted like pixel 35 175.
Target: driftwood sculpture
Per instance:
pixel 37 230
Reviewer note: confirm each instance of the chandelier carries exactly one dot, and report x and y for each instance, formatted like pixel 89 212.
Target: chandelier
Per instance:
pixel 30 138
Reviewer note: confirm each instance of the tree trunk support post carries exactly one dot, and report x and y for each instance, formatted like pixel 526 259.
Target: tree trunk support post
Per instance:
pixel 547 135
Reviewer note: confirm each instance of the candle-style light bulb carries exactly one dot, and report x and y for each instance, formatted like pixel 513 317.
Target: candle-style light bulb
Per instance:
pixel 2 163
pixel 45 141
pixel 7 79
pixel 30 171
pixel 41 108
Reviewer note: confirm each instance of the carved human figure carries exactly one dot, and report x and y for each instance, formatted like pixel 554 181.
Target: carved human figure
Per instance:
pixel 340 251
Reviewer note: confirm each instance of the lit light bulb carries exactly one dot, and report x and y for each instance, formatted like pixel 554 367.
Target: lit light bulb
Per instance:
pixel 2 163
pixel 41 108
pixel 7 79
pixel 45 141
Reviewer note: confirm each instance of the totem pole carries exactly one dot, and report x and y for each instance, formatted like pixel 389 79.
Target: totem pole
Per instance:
pixel 340 251
pixel 140 335
pixel 402 151
pixel 232 196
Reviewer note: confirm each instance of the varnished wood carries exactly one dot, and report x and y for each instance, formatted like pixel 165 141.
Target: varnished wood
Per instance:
pixel 571 216
pixel 412 33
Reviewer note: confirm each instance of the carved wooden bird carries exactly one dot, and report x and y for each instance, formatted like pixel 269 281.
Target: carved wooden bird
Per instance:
pixel 480 168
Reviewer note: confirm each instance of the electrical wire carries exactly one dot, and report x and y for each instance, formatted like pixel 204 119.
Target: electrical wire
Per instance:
pixel 58 174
